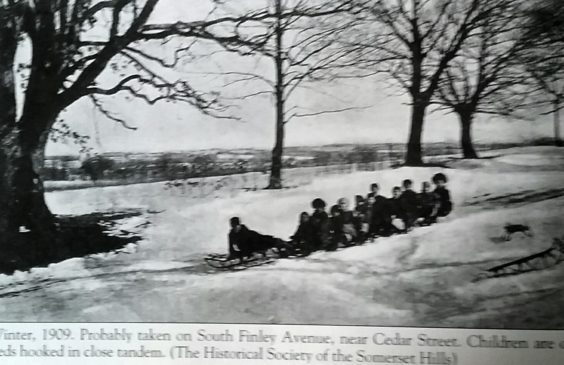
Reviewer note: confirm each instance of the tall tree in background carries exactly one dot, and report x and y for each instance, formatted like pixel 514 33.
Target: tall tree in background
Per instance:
pixel 487 76
pixel 303 49
pixel 74 44
pixel 546 21
pixel 414 42
pixel 544 33
pixel 548 74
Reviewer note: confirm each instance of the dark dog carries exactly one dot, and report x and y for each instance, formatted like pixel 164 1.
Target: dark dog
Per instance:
pixel 510 229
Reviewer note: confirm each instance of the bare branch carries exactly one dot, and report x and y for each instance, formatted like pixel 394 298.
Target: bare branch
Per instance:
pixel 108 114
pixel 323 112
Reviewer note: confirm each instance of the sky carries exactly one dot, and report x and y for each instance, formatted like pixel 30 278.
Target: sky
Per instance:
pixel 381 114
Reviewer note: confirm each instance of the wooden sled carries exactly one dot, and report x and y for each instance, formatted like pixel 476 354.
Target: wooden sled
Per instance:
pixel 220 261
pixel 538 261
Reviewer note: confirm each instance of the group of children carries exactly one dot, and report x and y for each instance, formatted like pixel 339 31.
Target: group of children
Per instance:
pixel 372 216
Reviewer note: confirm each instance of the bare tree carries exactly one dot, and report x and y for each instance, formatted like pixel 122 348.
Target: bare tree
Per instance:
pixel 547 72
pixel 544 34
pixel 414 42
pixel 74 44
pixel 303 50
pixel 487 76
pixel 556 89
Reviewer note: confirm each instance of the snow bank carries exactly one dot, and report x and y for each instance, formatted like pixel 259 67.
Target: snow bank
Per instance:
pixel 533 159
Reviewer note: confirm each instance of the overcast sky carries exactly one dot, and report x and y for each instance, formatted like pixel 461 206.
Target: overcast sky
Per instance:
pixel 166 127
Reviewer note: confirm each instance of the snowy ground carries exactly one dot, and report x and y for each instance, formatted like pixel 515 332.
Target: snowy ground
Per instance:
pixel 424 278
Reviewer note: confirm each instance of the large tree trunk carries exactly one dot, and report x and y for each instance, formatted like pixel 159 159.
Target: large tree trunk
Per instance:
pixel 6 194
pixel 414 152
pixel 278 150
pixel 23 205
pixel 557 139
pixel 277 156
pixel 8 115
pixel 22 147
pixel 466 143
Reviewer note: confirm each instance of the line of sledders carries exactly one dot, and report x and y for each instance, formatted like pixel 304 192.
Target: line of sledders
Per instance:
pixel 372 216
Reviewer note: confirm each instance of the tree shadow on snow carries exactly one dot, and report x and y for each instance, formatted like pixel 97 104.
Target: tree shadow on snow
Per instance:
pixel 77 236
pixel 435 164
pixel 521 197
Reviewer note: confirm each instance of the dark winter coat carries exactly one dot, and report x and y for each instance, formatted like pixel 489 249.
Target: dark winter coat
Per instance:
pixel 363 217
pixel 304 238
pixel 366 213
pixel 245 242
pixel 410 207
pixel 409 202
pixel 360 210
pixel 347 217
pixel 426 199
pixel 396 207
pixel 336 225
pixel 348 223
pixel 321 229
pixel 427 203
pixel 344 229
pixel 442 195
pixel 380 211
pixel 304 233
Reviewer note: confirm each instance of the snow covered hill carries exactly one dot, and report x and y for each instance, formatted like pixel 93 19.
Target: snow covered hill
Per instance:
pixel 424 278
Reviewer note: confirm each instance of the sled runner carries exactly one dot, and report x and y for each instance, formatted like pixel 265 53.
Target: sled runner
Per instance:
pixel 216 256
pixel 221 261
pixel 538 261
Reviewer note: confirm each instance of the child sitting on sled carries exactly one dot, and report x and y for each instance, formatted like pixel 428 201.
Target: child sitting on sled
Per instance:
pixel 320 224
pixel 442 196
pixel 335 228
pixel 363 216
pixel 381 222
pixel 244 243
pixel 427 203
pixel 373 190
pixel 304 237
pixel 396 211
pixel 409 203
pixel 343 224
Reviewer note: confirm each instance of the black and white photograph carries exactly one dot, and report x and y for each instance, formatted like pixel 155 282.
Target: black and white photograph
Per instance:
pixel 318 162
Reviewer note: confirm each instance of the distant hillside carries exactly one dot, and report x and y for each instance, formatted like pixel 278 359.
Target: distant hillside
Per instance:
pixel 134 167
